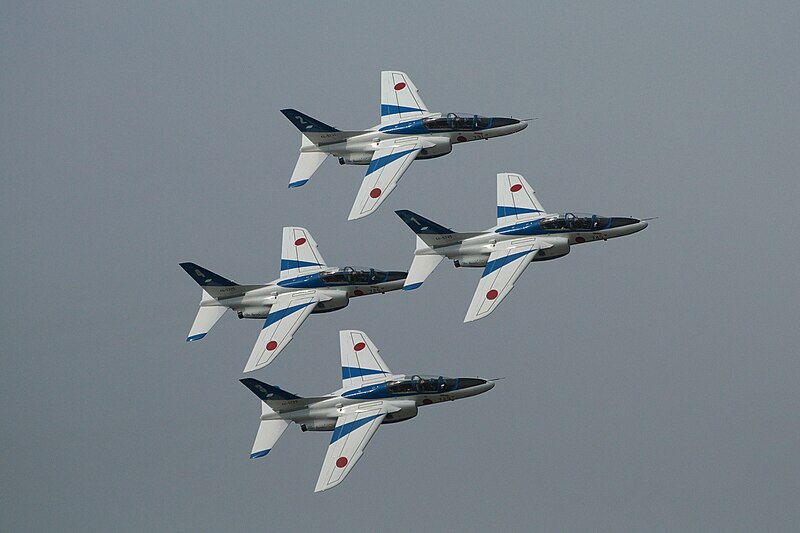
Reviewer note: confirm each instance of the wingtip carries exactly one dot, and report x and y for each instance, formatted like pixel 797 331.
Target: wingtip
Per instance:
pixel 195 337
pixel 412 286
pixel 295 184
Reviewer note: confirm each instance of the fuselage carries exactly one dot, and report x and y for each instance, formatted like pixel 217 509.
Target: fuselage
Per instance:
pixel 336 286
pixel 557 232
pixel 441 131
pixel 402 394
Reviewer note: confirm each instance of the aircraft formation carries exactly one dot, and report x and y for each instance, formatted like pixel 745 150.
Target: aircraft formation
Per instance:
pixel 371 394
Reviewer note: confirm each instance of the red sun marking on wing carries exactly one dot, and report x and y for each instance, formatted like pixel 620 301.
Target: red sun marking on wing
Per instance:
pixel 400 86
pixel 271 345
pixel 376 192
pixel 492 294
pixel 516 188
pixel 299 242
pixel 360 346
pixel 341 462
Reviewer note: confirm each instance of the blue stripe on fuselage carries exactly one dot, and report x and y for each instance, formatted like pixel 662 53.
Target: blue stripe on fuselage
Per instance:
pixel 345 429
pixel 310 281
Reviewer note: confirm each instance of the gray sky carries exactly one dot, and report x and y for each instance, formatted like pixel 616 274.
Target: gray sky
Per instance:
pixel 652 381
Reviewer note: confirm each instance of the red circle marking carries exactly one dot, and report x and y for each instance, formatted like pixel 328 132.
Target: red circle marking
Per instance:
pixel 579 239
pixel 360 346
pixel 358 292
pixel 461 138
pixel 427 401
pixel 299 242
pixel 271 345
pixel 400 86
pixel 492 294
pixel 374 193
pixel 515 188
pixel 341 462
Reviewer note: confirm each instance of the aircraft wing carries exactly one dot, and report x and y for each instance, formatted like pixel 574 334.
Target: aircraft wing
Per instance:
pixel 352 434
pixel 504 266
pixel 388 164
pixel 285 316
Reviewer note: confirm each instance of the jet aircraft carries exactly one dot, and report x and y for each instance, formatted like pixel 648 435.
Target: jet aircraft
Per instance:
pixel 306 285
pixel 371 395
pixel 407 131
pixel 525 232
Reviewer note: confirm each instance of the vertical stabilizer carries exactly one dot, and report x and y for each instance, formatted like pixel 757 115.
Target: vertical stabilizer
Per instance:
pixel 400 100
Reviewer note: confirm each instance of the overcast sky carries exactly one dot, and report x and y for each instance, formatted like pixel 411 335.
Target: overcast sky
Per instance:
pixel 652 381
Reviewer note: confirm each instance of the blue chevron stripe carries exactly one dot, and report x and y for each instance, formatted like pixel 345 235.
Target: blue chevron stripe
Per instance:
pixel 491 266
pixel 283 313
pixel 259 454
pixel 387 109
pixel 348 428
pixel 288 264
pixel 354 372
pixel 508 211
pixel 377 164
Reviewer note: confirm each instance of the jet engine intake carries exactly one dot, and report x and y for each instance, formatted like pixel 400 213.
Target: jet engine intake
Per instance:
pixel 338 301
pixel 405 412
pixel 560 249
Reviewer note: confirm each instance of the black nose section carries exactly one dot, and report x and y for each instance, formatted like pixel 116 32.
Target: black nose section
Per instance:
pixel 618 222
pixel 465 383
pixel 499 122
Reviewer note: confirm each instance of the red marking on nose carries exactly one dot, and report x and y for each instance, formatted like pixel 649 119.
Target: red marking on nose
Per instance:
pixel 461 138
pixel 427 401
pixel 579 239
pixel 516 188
pixel 271 345
pixel 299 242
pixel 341 462
pixel 358 292
pixel 374 193
pixel 400 86
pixel 360 346
pixel 492 294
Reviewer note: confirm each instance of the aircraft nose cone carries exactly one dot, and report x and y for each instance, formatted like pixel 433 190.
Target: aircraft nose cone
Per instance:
pixel 503 122
pixel 627 225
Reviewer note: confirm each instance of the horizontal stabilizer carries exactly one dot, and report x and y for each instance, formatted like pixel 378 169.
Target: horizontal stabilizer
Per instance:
pixel 307 165
pixel 206 317
pixel 421 268
pixel 269 431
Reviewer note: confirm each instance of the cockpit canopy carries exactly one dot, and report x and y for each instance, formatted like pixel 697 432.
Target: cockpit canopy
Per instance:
pixel 574 222
pixel 422 384
pixel 457 121
pixel 358 276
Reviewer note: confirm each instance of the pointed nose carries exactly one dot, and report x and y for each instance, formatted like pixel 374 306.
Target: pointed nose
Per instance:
pixel 626 226
pixel 511 125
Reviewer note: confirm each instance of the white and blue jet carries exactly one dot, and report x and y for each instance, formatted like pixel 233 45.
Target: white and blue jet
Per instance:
pixel 524 233
pixel 407 131
pixel 306 285
pixel 371 395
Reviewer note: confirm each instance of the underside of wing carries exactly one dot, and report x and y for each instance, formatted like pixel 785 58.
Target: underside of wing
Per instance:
pixel 285 316
pixel 352 434
pixel 504 266
pixel 388 164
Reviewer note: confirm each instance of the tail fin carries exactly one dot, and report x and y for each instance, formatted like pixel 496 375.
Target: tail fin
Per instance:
pixel 516 200
pixel 421 267
pixel 206 278
pixel 431 233
pixel 299 253
pixel 400 100
pixel 307 124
